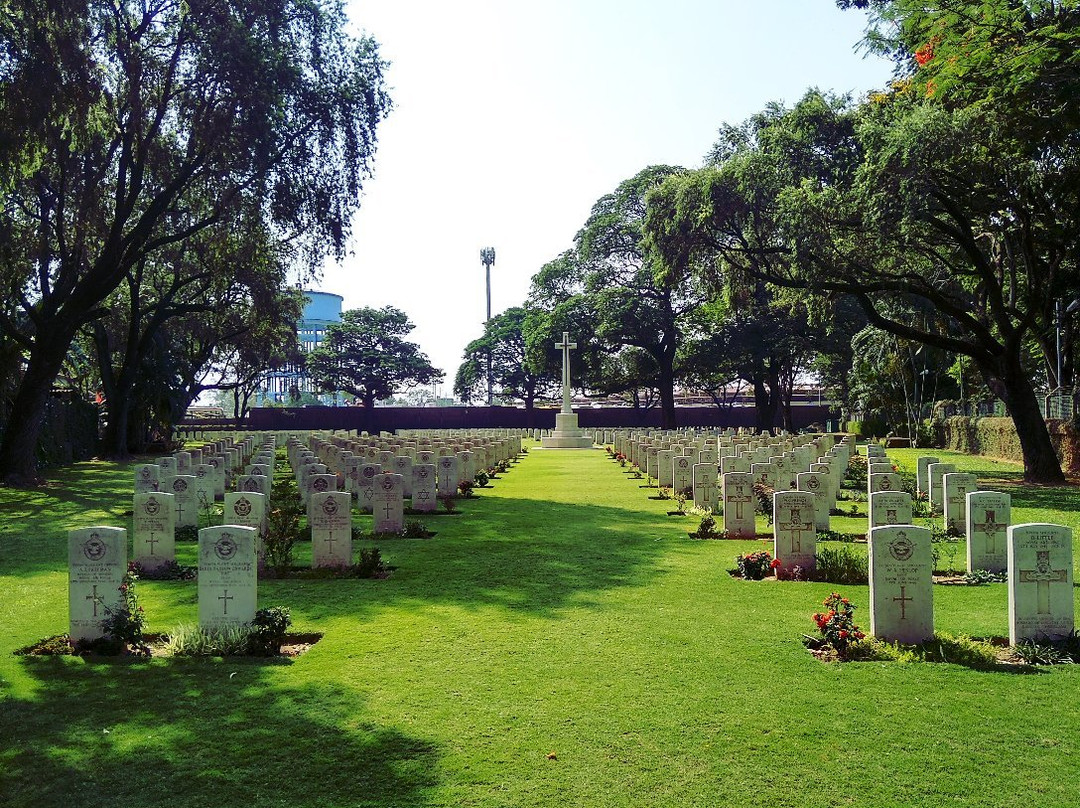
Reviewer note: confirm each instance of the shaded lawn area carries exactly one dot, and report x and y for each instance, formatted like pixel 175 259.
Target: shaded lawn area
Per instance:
pixel 562 642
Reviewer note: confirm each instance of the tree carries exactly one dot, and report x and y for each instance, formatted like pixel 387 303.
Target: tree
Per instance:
pixel 610 275
pixel 942 233
pixel 157 120
pixel 366 356
pixel 514 375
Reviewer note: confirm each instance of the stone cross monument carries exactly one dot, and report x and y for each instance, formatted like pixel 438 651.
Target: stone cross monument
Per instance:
pixel 567 435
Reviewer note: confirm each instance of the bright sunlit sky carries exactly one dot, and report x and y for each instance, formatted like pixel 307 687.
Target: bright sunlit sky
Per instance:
pixel 511 119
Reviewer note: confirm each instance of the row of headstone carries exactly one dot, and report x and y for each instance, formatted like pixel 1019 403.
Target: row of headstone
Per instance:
pixel 1040 583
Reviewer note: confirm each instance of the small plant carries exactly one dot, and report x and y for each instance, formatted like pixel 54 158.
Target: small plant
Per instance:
pixel 282 531
pixel 192 640
pixel 842 565
pixel 187 533
pixel 267 631
pixel 945 544
pixel 754 566
pixel 448 503
pixel 619 456
pixel 707 527
pixel 637 473
pixel 414 529
pixel 168 571
pixel 369 563
pixel 481 479
pixel 834 535
pixel 465 488
pixel 855 476
pixel 982 577
pixel 680 498
pixel 56 645
pixel 764 504
pixel 837 625
pixel 664 493
pixel 1042 653
pixel 123 626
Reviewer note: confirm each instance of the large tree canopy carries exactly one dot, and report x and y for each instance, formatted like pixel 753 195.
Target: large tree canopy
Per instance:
pixel 941 233
pixel 366 355
pixel 155 122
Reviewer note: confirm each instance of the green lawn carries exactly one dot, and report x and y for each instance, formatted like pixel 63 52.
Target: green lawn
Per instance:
pixel 561 643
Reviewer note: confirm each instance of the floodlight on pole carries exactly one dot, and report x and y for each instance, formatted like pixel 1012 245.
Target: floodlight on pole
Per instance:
pixel 487 257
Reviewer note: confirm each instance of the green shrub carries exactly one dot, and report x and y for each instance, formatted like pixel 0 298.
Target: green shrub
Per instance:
pixel 189 639
pixel 840 565
pixel 369 563
pixel 268 631
pixel 754 566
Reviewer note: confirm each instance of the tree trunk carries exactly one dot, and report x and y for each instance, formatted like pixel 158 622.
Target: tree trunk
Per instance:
pixel 1041 465
pixel 18 449
pixel 667 395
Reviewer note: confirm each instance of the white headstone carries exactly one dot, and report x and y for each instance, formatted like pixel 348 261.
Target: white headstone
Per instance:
pixel 739 505
pixel 901 583
pixel 389 508
pixel 182 487
pixel 706 493
pixel 890 508
pixel 1041 600
pixel 957 485
pixel 147 478
pixel 97 561
pixel 228 576
pixel 794 534
pixel 330 517
pixel 424 488
pixel 988 516
pixel 154 529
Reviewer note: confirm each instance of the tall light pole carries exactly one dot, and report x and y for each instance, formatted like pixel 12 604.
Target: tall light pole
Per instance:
pixel 487 257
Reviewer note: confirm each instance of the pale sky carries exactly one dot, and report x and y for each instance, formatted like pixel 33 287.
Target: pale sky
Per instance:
pixel 512 119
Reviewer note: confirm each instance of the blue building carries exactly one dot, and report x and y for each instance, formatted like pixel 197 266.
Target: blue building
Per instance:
pixel 322 310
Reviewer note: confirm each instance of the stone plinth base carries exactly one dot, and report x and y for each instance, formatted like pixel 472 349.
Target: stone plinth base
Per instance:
pixel 567 434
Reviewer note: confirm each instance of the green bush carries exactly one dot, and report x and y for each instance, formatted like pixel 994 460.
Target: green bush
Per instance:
pixel 268 631
pixel 840 565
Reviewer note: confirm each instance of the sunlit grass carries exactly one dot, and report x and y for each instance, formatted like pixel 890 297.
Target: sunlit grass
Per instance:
pixel 562 642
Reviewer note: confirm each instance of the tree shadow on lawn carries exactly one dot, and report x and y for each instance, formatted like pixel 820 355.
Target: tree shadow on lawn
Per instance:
pixel 534 556
pixel 35 524
pixel 197 733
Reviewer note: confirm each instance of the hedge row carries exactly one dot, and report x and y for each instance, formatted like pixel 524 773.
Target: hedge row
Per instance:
pixel 996 437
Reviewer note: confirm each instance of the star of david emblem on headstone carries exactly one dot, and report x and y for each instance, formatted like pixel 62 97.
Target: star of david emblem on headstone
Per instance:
pixel 901 548
pixel 94 548
pixel 225 547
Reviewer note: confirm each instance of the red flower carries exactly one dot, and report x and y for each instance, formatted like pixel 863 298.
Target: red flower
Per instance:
pixel 924 54
pixel 775 563
pixel 843 634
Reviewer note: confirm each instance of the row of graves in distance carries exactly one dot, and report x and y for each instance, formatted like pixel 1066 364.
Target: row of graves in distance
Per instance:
pixel 806 473
pixel 331 471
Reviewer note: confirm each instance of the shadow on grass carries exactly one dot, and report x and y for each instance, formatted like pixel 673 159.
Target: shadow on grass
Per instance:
pixel 198 734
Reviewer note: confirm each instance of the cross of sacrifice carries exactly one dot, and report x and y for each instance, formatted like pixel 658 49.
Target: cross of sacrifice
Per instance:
pixel 904 599
pixel 566 346
pixel 1043 576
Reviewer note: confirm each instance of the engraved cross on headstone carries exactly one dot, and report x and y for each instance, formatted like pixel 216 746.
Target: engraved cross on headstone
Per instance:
pixel 96 599
pixel 1043 576
pixel 225 597
pixel 904 600
pixel 990 527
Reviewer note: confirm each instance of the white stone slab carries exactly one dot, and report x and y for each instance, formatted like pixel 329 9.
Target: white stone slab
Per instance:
pixel 957 485
pixel 97 561
pixel 794 534
pixel 330 518
pixel 228 576
pixel 739 500
pixel 989 514
pixel 1041 600
pixel 389 510
pixel 901 584
pixel 153 529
